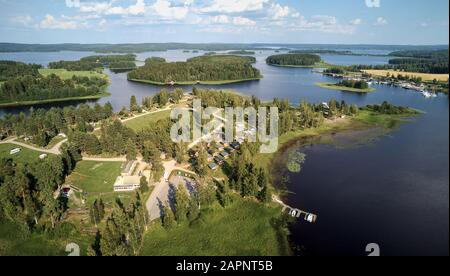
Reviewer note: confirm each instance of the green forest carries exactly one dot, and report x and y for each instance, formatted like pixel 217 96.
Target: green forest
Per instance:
pixel 293 60
pixel 30 88
pixel 92 63
pixel 12 69
pixel 417 61
pixel 204 68
pixel 354 84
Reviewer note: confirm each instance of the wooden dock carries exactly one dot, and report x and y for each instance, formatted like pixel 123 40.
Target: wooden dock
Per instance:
pixel 297 213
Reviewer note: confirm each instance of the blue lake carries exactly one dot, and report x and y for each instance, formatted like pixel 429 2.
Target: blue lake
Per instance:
pixel 393 192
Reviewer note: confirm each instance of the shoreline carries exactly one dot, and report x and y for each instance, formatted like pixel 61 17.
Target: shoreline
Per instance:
pixel 333 86
pixel 224 82
pixel 41 102
pixel 316 65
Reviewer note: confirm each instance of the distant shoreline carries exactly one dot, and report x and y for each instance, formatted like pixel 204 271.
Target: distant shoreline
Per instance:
pixel 220 82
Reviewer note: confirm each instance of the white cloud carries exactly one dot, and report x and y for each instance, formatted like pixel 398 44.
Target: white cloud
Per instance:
pixel 277 11
pixel 321 23
pixel 64 23
pixel 164 9
pixel 24 20
pixel 107 7
pixel 357 21
pixel 234 6
pixel 424 25
pixel 381 21
pixel 243 21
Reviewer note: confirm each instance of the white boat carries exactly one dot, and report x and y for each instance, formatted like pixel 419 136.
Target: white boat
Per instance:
pixel 428 95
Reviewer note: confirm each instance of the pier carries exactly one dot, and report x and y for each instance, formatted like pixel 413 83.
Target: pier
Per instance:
pixel 297 213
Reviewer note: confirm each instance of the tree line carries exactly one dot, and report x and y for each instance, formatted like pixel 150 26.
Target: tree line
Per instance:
pixel 42 125
pixel 293 60
pixel 32 88
pixel 357 84
pixel 214 68
pixel 92 63
pixel 12 69
pixel 27 191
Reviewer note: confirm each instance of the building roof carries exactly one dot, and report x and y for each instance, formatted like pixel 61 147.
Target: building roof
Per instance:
pixel 127 180
pixel 128 167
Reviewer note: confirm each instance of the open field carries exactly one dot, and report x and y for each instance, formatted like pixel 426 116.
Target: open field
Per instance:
pixel 246 228
pixel 333 86
pixel 24 156
pixel 425 77
pixel 97 180
pixel 64 74
pixel 194 82
pixel 147 120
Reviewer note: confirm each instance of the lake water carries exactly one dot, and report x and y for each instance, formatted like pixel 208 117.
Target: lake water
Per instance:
pixel 393 192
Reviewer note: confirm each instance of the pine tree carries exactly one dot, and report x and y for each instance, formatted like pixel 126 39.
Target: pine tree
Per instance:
pixel 144 184
pixel 168 219
pixel 181 203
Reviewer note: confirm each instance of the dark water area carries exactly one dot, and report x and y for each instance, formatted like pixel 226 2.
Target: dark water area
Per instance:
pixel 394 191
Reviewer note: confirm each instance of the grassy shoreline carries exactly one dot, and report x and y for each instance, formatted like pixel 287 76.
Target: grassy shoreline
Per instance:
pixel 364 120
pixel 333 86
pixel 40 102
pixel 64 74
pixel 194 82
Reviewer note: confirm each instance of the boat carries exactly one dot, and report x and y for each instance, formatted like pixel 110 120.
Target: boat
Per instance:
pixel 428 95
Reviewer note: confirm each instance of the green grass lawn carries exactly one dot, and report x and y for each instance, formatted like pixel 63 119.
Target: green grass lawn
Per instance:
pixel 24 156
pixel 333 86
pixel 147 120
pixel 245 228
pixel 97 180
pixel 64 74
pixel 15 242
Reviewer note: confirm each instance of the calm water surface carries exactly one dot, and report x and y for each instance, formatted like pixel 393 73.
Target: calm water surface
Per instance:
pixel 393 192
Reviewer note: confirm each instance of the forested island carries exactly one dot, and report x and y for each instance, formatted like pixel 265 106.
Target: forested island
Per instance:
pixel 294 60
pixel 213 69
pixel 23 84
pixel 242 52
pixel 91 63
pixel 358 86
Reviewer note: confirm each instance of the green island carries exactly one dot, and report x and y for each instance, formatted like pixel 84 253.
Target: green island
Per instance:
pixel 349 86
pixel 208 69
pixel 302 60
pixel 234 198
pixel 35 85
pixel 92 63
pixel 242 52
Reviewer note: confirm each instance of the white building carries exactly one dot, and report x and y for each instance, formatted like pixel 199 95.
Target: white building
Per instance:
pixel 129 168
pixel 127 183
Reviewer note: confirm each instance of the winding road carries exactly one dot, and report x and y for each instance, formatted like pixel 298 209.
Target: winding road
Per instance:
pixel 56 149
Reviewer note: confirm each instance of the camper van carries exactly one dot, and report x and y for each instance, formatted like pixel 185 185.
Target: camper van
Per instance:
pixel 14 151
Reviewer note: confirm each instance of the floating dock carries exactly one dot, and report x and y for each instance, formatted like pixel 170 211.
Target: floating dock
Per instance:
pixel 297 213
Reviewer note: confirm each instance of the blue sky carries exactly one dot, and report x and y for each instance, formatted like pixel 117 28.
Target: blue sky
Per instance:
pixel 239 21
